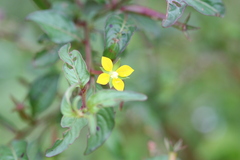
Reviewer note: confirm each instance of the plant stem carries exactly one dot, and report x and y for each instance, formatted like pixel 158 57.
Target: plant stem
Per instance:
pixel 88 51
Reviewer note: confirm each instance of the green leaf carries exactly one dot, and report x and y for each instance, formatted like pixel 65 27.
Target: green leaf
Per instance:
pixel 75 125
pixel 109 98
pixel 67 8
pixel 208 7
pixel 42 4
pixel 118 32
pixel 175 9
pixel 74 68
pixel 67 108
pixel 57 26
pixel 42 92
pixel 33 151
pixel 16 151
pixel 105 125
pixel 46 57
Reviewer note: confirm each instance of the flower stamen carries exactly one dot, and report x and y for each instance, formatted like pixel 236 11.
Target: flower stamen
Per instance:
pixel 114 75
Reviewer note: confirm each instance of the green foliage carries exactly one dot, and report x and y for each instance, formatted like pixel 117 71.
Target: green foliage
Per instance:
pixel 57 26
pixel 42 92
pixel 15 151
pixel 69 136
pixel 105 125
pixel 74 68
pixel 84 103
pixel 110 98
pixel 176 8
pixel 46 57
pixel 118 32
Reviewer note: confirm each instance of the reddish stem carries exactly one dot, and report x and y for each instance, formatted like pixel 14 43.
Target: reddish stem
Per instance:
pixel 143 11
pixel 95 72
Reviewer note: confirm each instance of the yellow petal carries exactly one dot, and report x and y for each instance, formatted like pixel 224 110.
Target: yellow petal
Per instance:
pixel 124 71
pixel 118 84
pixel 103 78
pixel 107 64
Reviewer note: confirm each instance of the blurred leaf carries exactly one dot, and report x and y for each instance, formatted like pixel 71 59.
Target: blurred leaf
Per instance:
pixel 66 105
pixel 175 9
pixel 46 57
pixel 208 7
pixel 100 1
pixel 105 125
pixel 33 151
pixel 65 7
pixel 146 24
pixel 16 151
pixel 42 92
pixel 118 32
pixel 57 26
pixel 42 4
pixel 5 122
pixel 74 68
pixel 158 158
pixel 109 98
pixel 75 125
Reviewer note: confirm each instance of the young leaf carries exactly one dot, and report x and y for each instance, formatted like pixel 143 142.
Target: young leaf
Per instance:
pixel 16 151
pixel 74 68
pixel 118 32
pixel 75 125
pixel 175 9
pixel 208 7
pixel 66 105
pixel 109 98
pixel 46 57
pixel 42 92
pixel 105 125
pixel 57 26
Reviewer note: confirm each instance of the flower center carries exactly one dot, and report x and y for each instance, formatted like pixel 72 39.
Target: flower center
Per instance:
pixel 114 75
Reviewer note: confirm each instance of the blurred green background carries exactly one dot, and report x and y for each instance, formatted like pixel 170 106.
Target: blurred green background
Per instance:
pixel 193 85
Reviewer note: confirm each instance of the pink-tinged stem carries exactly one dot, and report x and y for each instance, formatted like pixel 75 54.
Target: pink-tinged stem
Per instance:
pixel 95 72
pixel 143 11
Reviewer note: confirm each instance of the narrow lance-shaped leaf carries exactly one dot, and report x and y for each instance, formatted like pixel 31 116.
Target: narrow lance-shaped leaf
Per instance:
pixel 109 98
pixel 208 7
pixel 75 125
pixel 57 26
pixel 74 68
pixel 15 151
pixel 175 9
pixel 105 125
pixel 118 32
pixel 42 92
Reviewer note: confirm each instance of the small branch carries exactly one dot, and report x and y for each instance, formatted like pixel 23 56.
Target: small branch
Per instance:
pixel 143 11
pixel 88 51
pixel 8 126
pixel 95 72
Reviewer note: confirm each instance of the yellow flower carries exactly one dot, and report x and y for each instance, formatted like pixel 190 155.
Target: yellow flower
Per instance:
pixel 113 76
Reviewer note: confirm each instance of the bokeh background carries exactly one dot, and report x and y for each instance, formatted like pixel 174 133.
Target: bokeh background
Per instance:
pixel 193 86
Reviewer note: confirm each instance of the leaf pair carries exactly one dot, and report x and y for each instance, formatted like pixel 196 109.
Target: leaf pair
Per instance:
pixel 75 122
pixel 175 9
